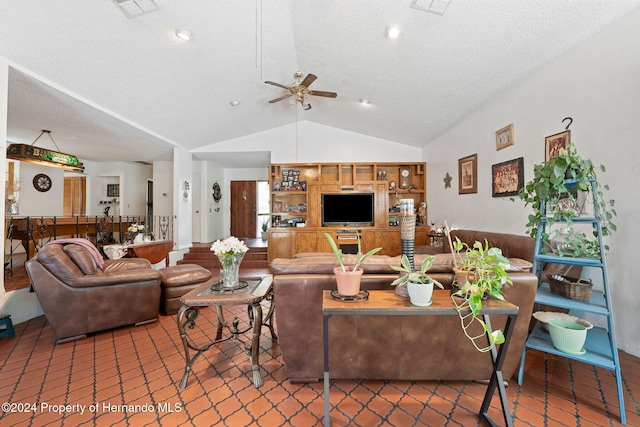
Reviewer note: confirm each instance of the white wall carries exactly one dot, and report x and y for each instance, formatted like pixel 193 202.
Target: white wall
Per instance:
pixel 34 202
pixel 21 304
pixel 216 216
pixel 307 142
pixel 132 178
pixel 183 201
pixel 597 85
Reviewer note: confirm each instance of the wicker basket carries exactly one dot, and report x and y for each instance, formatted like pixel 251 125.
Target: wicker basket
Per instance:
pixel 570 287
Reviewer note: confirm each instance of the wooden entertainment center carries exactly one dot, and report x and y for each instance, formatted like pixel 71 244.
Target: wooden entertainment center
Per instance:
pixel 297 191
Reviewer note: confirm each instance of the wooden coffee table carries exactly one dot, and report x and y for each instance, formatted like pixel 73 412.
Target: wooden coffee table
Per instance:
pixel 257 290
pixel 387 303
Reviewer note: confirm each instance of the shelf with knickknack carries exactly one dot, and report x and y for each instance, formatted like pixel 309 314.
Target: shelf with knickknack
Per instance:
pixel 299 191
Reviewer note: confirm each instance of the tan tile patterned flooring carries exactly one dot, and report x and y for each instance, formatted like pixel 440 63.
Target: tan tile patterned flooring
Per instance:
pixel 143 366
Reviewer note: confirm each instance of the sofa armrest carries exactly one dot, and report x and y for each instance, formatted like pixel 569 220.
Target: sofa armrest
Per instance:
pixel 114 265
pixel 116 278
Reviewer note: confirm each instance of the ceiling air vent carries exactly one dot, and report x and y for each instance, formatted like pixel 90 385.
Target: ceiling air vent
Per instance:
pixel 134 8
pixel 434 6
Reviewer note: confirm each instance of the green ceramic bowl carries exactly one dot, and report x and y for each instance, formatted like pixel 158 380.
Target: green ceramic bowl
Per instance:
pixel 568 337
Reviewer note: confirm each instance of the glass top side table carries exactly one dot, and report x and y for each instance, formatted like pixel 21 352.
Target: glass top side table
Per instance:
pixel 257 289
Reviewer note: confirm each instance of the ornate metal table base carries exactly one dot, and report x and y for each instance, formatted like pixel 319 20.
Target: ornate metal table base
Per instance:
pixel 204 297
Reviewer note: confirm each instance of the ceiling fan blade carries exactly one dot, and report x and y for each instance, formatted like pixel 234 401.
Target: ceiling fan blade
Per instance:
pixel 277 84
pixel 323 93
pixel 280 99
pixel 308 80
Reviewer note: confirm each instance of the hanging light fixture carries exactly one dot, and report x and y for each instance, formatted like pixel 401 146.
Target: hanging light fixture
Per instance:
pixel 42 156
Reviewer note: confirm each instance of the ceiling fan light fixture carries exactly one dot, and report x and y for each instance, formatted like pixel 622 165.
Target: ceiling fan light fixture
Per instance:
pixel 393 32
pixel 184 34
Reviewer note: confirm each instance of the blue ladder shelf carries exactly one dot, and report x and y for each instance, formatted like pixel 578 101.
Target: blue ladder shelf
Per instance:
pixel 601 348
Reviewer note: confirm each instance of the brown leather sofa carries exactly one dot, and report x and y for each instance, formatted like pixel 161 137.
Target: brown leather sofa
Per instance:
pixel 391 347
pixel 78 297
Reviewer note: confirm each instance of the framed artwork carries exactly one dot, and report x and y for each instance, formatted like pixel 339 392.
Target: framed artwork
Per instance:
pixel 507 178
pixel 468 174
pixel 113 190
pixel 504 137
pixel 554 143
pixel 277 206
pixel 277 185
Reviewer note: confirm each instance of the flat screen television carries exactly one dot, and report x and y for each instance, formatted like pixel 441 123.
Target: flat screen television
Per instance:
pixel 347 209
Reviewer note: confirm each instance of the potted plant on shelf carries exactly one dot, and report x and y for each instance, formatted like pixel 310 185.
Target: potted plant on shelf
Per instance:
pixel 348 280
pixel 265 227
pixel 563 184
pixel 488 267
pixel 419 283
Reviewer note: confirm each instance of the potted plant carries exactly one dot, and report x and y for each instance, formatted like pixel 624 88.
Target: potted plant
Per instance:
pixel 488 267
pixel 419 283
pixel 265 226
pixel 348 280
pixel 562 183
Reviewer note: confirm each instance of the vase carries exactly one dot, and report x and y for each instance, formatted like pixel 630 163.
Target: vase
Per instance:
pixel 139 238
pixel 348 282
pixel 420 293
pixel 230 269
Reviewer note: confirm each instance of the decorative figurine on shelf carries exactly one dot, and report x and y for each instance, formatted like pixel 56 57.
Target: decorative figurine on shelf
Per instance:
pixel 422 213
pixel 106 210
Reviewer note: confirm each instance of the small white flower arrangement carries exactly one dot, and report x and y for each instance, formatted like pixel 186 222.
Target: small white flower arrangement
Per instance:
pixel 229 247
pixel 137 228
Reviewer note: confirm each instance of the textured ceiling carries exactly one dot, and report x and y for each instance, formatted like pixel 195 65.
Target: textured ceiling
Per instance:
pixel 137 90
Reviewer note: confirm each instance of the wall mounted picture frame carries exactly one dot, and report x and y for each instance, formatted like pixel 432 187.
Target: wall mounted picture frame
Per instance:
pixel 554 143
pixel 504 137
pixel 468 174
pixel 507 178
pixel 113 190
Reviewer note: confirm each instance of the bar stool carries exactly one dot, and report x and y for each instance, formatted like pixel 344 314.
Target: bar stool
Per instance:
pixel 6 326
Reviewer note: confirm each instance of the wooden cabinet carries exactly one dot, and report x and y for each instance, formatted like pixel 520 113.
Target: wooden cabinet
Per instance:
pixel 296 203
pixel 280 244
pixel 286 242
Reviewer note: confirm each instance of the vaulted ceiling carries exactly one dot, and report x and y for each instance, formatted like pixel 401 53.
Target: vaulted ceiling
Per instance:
pixel 110 87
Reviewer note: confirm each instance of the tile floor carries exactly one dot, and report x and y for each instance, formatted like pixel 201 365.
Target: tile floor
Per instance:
pixel 131 376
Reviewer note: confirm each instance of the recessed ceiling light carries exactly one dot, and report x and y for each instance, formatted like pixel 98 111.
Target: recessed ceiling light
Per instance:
pixel 393 32
pixel 184 34
pixel 364 101
pixel 234 103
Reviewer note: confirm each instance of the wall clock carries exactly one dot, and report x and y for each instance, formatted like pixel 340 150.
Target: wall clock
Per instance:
pixel 405 177
pixel 42 182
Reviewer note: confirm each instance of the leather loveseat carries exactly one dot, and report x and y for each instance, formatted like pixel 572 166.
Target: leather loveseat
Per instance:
pixel 80 293
pixel 391 347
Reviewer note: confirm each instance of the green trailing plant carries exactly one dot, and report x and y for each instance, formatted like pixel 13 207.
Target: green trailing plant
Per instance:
pixel 489 267
pixel 561 182
pixel 415 276
pixel 360 257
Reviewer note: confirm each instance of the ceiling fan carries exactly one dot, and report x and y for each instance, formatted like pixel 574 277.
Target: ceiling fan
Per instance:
pixel 300 89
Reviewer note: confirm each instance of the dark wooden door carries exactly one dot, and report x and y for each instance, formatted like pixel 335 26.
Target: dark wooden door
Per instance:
pixel 243 209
